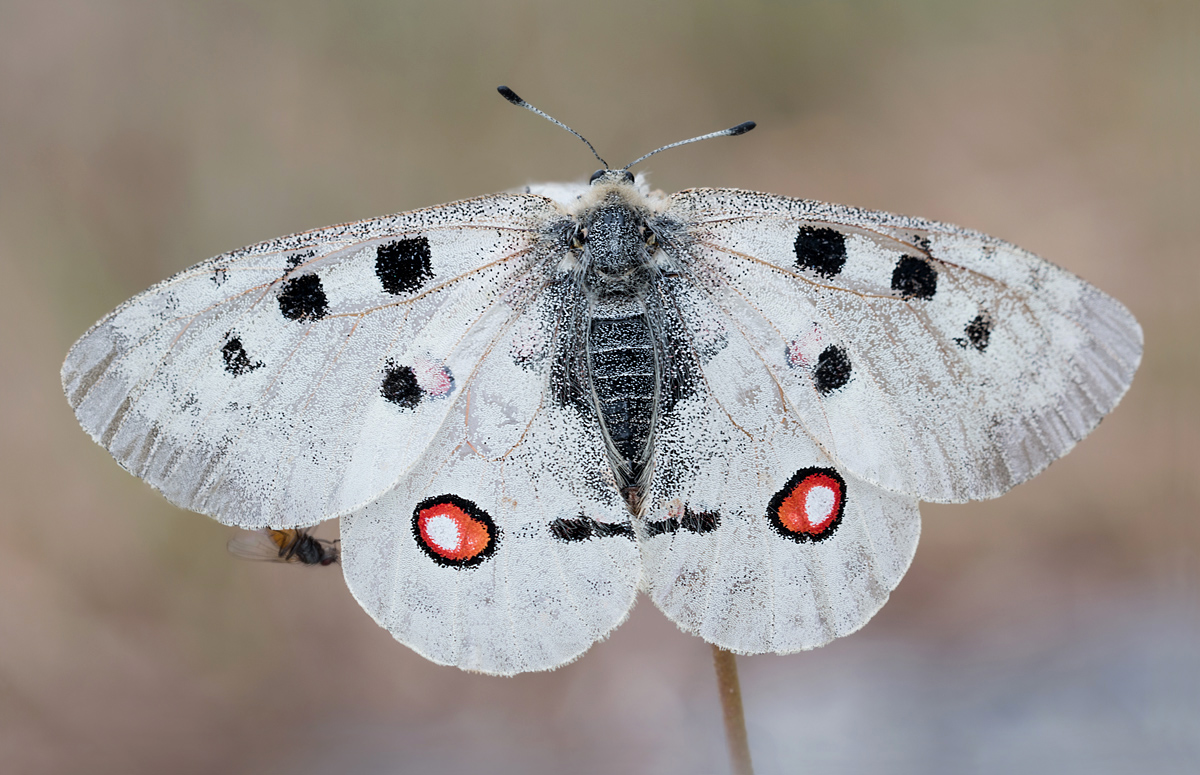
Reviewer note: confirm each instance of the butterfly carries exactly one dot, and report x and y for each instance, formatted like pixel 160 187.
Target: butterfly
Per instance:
pixel 290 546
pixel 527 408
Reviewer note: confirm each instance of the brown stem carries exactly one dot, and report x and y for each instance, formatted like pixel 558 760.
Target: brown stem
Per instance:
pixel 731 707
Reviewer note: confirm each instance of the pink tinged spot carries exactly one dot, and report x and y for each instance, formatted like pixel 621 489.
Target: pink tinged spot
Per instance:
pixel 804 349
pixel 433 378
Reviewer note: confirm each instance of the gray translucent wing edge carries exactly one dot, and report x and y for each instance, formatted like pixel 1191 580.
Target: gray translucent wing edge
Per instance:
pixel 1100 375
pixel 1096 386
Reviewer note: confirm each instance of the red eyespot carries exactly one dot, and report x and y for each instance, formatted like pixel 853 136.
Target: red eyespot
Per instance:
pixel 454 531
pixel 810 505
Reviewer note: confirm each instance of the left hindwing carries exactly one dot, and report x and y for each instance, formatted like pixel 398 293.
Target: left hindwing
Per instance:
pixel 507 548
pixel 927 359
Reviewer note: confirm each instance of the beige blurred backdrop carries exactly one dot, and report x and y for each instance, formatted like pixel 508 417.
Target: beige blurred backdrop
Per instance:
pixel 1055 630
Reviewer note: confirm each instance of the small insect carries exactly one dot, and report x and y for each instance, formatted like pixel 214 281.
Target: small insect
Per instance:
pixel 296 546
pixel 527 408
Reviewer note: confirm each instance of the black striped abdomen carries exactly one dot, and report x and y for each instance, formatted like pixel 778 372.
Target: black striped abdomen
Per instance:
pixel 622 367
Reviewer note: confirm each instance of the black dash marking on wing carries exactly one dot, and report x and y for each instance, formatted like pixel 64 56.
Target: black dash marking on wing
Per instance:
pixel 833 370
pixel 821 250
pixel 700 521
pixel 914 278
pixel 303 298
pixel 978 332
pixel 582 528
pixel 237 361
pixel 663 526
pixel 403 266
pixel 693 521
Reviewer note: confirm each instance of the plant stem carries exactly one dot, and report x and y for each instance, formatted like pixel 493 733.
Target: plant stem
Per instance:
pixel 731 707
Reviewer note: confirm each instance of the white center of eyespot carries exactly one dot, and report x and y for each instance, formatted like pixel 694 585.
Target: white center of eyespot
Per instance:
pixel 443 532
pixel 818 504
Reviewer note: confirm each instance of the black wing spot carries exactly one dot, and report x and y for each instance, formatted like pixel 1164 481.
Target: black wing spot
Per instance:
pixel 978 332
pixel 303 298
pixel 296 259
pixel 582 528
pixel 400 386
pixel 914 278
pixel 822 250
pixel 403 266
pixel 833 370
pixel 237 362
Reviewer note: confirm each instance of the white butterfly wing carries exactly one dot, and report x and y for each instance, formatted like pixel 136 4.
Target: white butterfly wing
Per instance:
pixel 300 378
pixel 754 539
pixel 924 358
pixel 507 548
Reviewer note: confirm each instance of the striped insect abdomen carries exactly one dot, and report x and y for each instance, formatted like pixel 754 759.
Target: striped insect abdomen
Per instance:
pixel 624 374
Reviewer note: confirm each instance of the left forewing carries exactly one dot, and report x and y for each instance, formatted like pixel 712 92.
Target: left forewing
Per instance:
pixel 297 379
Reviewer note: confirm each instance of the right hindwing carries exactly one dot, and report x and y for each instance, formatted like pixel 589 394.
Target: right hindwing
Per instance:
pixel 753 537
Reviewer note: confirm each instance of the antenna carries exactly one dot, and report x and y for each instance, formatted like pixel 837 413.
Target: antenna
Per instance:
pixel 512 97
pixel 733 131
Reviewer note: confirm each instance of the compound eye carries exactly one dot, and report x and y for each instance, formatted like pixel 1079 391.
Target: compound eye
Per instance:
pixel 628 176
pixel 649 237
pixel 597 175
pixel 577 238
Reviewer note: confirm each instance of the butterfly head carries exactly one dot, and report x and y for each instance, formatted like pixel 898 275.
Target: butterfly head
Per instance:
pixel 617 224
pixel 613 238
pixel 611 176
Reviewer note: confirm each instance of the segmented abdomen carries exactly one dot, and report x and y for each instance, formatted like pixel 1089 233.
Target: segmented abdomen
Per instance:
pixel 622 367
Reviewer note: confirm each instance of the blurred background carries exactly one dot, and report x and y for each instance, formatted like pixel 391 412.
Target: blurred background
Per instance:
pixel 1054 630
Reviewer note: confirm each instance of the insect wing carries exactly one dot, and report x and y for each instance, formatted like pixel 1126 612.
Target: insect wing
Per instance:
pixel 508 547
pixel 289 546
pixel 259 545
pixel 755 539
pixel 295 380
pixel 924 358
